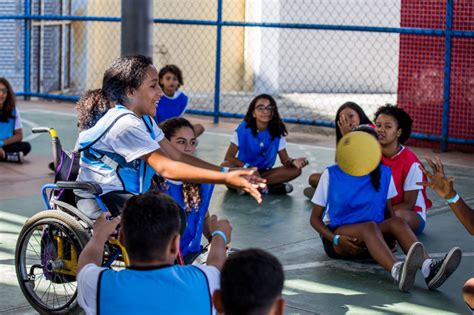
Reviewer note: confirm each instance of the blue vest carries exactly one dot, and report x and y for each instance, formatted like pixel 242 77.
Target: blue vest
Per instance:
pixel 353 199
pixel 163 290
pixel 7 128
pixel 136 175
pixel 259 151
pixel 167 108
pixel 191 239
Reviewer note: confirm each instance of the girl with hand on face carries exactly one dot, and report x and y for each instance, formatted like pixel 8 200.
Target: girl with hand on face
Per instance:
pixel 348 116
pixel 393 127
pixel 258 140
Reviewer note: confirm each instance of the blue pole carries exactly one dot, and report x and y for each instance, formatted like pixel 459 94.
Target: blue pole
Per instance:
pixel 26 52
pixel 447 76
pixel 217 86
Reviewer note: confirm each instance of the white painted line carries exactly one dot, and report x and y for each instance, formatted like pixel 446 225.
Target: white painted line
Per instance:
pixel 32 125
pixel 332 149
pixel 356 264
pixel 316 287
pixel 301 145
pixel 45 111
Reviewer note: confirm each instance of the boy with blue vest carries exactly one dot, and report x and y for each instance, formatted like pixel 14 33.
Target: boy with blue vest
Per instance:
pixel 152 284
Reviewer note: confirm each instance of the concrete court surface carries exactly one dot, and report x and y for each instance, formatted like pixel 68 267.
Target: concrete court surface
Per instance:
pixel 314 283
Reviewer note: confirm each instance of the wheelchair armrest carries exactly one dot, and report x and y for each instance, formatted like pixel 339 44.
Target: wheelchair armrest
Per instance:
pixel 93 188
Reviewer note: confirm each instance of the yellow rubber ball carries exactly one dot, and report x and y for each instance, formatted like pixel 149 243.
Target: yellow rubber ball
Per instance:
pixel 358 153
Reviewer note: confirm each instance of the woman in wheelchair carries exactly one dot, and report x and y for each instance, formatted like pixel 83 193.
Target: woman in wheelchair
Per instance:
pixel 125 148
pixel 193 198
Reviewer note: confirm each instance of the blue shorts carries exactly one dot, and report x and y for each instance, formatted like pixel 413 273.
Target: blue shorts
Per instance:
pixel 421 226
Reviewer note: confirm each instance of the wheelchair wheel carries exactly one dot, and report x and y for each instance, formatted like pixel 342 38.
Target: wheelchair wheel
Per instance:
pixel 46 258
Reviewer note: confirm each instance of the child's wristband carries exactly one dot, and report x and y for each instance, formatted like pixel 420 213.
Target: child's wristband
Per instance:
pixel 453 200
pixel 225 169
pixel 1 143
pixel 247 165
pixel 222 234
pixel 335 240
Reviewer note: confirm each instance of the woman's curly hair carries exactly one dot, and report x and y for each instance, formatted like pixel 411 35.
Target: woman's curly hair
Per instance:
pixel 91 107
pixel 405 122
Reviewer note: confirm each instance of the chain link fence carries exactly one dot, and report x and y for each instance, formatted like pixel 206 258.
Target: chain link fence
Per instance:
pixel 311 55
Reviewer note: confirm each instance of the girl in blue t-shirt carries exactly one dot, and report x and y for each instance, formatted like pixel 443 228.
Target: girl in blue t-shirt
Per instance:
pixel 354 216
pixel 257 142
pixel 12 148
pixel 194 198
pixel 174 102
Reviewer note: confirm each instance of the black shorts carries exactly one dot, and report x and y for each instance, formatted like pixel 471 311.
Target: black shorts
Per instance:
pixel 330 252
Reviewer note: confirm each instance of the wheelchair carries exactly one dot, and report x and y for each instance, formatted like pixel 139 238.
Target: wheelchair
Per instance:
pixel 50 242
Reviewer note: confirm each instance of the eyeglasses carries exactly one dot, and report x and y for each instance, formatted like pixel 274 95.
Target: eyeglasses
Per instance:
pixel 4 91
pixel 262 108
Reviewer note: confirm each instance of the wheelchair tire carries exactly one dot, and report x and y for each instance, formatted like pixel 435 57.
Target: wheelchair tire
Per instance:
pixel 46 255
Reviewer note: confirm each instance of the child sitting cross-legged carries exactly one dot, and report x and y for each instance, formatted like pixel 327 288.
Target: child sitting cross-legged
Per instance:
pixel 353 214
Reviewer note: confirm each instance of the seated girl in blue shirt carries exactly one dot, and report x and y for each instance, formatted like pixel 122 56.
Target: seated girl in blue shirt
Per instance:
pixel 353 214
pixel 12 148
pixel 258 140
pixel 174 102
pixel 194 198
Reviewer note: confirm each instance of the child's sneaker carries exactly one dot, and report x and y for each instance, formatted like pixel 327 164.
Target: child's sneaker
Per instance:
pixel 16 157
pixel 309 192
pixel 441 269
pixel 406 273
pixel 280 189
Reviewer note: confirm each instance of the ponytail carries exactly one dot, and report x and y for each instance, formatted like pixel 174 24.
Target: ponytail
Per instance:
pixel 91 107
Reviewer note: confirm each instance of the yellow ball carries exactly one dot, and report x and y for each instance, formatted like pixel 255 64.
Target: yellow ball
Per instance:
pixel 358 153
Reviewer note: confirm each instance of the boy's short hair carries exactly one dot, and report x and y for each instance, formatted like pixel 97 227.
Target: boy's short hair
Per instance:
pixel 149 222
pixel 251 281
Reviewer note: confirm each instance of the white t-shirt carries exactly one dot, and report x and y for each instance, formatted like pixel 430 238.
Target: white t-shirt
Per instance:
pixel 281 144
pixel 88 277
pixel 415 175
pixel 130 139
pixel 320 197
pixel 18 124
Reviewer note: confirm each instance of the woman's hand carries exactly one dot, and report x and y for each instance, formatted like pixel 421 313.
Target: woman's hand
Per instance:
pixel 350 245
pixel 247 181
pixel 300 162
pixel 344 125
pixel 442 185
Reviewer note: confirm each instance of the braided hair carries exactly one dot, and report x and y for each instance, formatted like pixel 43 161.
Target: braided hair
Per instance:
pixel 191 192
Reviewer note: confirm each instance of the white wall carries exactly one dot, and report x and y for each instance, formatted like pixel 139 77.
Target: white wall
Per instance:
pixel 317 61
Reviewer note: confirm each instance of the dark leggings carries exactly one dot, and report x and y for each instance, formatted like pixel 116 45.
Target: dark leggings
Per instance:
pixel 24 147
pixel 115 200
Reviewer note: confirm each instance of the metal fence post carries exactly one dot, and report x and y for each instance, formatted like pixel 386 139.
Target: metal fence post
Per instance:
pixel 27 51
pixel 447 75
pixel 217 85
pixel 137 28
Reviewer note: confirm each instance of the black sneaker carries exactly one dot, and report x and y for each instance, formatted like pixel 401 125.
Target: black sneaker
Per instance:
pixel 280 189
pixel 309 192
pixel 441 269
pixel 408 269
pixel 16 157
